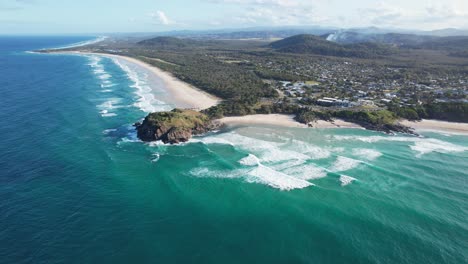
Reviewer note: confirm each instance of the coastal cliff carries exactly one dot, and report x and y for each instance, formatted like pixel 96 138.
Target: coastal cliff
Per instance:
pixel 174 126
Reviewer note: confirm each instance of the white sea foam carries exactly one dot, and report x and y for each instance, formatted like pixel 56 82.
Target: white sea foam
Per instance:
pixel 368 154
pixel 344 164
pixel 265 175
pixel 108 114
pixel 111 103
pixel 306 172
pixel 108 131
pixel 94 61
pixel 104 76
pixel 250 160
pixel 312 151
pixel 421 145
pixel 435 145
pixel 155 157
pixel 276 164
pixel 146 102
pixel 107 85
pixel 260 174
pixel 345 180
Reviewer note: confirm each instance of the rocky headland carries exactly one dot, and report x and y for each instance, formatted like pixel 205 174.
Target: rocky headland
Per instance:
pixel 173 127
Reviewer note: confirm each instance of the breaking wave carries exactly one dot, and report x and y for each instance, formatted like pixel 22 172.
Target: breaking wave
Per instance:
pixel 280 165
pixel 146 101
pixel 420 145
pixel 368 154
pixel 346 180
pixel 344 164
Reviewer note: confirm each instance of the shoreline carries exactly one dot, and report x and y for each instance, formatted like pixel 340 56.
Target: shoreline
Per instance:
pixel 262 119
pixel 185 95
pixel 182 94
pixel 429 125
pixel 285 121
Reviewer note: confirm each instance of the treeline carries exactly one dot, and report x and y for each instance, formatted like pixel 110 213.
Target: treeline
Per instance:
pixel 226 80
pixel 246 106
pixel 453 111
pixel 310 44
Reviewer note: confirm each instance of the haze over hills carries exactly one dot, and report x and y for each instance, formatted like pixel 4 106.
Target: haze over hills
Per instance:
pixel 283 32
pixel 311 44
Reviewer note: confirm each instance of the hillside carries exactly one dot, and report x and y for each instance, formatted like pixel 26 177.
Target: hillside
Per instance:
pixel 310 44
pixel 452 44
pixel 168 42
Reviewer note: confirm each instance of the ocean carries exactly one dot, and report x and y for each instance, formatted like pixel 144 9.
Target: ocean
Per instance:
pixel 76 186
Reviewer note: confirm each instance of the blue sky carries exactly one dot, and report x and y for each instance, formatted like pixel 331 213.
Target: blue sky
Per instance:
pixel 102 16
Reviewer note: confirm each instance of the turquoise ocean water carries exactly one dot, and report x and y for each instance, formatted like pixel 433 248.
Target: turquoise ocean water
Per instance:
pixel 77 187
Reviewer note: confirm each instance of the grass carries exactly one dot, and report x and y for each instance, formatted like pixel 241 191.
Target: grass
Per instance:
pixel 178 118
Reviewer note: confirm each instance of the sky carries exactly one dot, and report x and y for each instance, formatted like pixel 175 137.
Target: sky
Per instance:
pixel 108 16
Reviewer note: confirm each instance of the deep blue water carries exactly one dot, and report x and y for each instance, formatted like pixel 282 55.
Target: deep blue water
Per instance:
pixel 77 187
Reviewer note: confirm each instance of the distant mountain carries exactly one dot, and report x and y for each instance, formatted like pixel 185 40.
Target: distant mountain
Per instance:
pixel 349 37
pixel 412 41
pixel 447 32
pixel 311 44
pixel 168 42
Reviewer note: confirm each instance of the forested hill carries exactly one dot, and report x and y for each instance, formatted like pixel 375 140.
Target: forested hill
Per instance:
pixel 310 44
pixel 452 44
pixel 168 42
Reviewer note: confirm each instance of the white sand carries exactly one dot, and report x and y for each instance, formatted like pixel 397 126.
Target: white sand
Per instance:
pixel 184 94
pixel 272 119
pixel 337 123
pixel 436 125
pixel 283 120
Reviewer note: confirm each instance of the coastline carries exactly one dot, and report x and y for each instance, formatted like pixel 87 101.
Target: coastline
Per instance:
pixel 437 126
pixel 263 119
pixel 183 94
pixel 284 121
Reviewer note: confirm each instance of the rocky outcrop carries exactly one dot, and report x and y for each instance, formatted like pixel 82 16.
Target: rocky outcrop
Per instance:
pixel 389 128
pixel 174 127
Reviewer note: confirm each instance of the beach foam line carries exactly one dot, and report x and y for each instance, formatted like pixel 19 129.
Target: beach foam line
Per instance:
pixel 421 145
pixel 146 101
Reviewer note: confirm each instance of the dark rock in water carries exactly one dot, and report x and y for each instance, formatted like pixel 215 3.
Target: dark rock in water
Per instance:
pixel 174 127
pixel 389 128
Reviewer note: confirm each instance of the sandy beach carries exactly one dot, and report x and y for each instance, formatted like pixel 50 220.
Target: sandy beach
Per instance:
pixel 183 94
pixel 271 119
pixel 284 121
pixel 436 125
pixel 337 123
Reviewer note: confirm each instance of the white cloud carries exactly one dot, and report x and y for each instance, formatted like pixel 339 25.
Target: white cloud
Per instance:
pixel 274 12
pixel 414 14
pixel 281 3
pixel 160 17
pixel 433 16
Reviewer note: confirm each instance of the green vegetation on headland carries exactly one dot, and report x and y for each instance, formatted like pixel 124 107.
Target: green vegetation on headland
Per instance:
pixel 173 127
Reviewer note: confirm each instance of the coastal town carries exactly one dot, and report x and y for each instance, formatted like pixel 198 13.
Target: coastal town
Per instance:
pixel 345 84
